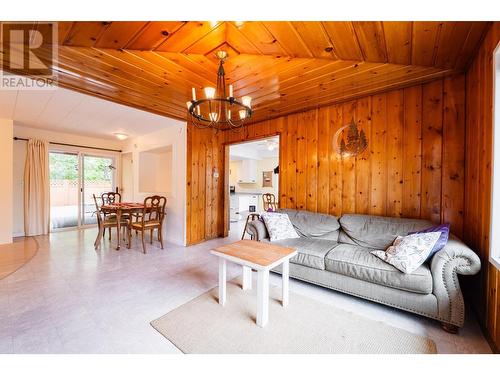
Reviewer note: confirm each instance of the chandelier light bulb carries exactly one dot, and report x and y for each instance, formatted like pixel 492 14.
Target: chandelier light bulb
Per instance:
pixel 188 104
pixel 213 116
pixel 231 91
pixel 246 100
pixel 229 114
pixel 209 92
pixel 243 114
pixel 194 93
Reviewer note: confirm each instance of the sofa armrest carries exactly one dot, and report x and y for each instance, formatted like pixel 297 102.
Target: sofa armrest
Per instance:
pixel 455 258
pixel 257 229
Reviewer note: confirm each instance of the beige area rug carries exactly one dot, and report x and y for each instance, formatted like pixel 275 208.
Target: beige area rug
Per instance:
pixel 305 326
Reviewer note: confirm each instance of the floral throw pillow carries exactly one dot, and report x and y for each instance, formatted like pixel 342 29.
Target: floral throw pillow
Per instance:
pixel 279 226
pixel 443 239
pixel 409 252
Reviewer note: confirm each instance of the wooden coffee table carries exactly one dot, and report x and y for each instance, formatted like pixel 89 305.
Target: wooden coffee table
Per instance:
pixel 261 257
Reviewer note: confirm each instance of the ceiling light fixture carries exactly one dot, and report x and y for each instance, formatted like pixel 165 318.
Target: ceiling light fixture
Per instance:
pixel 271 145
pixel 217 110
pixel 121 136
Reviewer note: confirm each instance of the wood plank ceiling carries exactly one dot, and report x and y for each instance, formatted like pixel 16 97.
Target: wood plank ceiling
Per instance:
pixel 284 66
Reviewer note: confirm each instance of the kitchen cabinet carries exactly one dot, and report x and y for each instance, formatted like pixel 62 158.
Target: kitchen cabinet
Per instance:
pixel 248 172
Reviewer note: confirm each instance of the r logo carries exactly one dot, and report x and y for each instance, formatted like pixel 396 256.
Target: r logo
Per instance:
pixel 28 50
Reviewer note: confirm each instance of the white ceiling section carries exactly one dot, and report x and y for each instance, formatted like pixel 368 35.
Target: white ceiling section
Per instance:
pixel 254 150
pixel 72 112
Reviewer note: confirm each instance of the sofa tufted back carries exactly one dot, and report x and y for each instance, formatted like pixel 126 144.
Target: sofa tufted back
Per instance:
pixel 376 232
pixel 314 225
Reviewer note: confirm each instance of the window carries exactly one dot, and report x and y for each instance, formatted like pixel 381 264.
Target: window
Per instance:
pixel 495 201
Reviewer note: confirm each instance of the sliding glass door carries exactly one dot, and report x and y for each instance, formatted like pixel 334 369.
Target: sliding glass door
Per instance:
pixel 97 178
pixel 74 178
pixel 64 189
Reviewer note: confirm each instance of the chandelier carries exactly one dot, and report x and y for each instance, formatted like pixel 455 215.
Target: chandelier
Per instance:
pixel 218 109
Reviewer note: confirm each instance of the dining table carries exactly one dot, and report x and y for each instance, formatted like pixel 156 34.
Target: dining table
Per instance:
pixel 119 209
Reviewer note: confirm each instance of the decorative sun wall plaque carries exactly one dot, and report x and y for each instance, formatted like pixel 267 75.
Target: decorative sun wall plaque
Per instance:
pixel 349 140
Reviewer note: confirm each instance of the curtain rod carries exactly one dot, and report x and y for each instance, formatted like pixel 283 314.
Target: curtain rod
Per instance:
pixel 71 145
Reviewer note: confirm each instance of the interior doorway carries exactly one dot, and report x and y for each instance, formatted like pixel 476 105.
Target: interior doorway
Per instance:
pixel 253 171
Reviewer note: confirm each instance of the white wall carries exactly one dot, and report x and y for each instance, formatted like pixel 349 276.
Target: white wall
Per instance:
pixel 6 168
pixel 19 152
pixel 61 137
pixel 174 136
pixel 155 171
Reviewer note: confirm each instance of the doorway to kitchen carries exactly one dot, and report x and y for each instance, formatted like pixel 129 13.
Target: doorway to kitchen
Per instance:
pixel 253 171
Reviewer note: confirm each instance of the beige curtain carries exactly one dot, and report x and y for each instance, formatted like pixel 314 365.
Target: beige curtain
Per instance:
pixel 36 189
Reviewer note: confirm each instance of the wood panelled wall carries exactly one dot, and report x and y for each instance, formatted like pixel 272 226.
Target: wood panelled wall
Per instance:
pixel 479 127
pixel 204 190
pixel 413 167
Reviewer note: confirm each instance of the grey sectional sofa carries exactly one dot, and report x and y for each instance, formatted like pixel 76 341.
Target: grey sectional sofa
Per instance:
pixel 335 253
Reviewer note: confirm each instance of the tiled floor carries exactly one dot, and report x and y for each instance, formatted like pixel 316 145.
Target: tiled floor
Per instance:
pixel 72 299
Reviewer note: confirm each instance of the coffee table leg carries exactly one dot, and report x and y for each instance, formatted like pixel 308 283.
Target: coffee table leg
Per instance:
pixel 247 278
pixel 285 276
pixel 222 281
pixel 262 297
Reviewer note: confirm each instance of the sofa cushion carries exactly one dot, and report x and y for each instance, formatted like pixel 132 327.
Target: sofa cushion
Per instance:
pixel 357 262
pixel 376 232
pixel 311 251
pixel 314 225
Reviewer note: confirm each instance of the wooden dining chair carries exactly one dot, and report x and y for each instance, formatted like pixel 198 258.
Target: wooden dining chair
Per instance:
pixel 269 201
pixel 106 222
pixel 110 198
pixel 152 218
